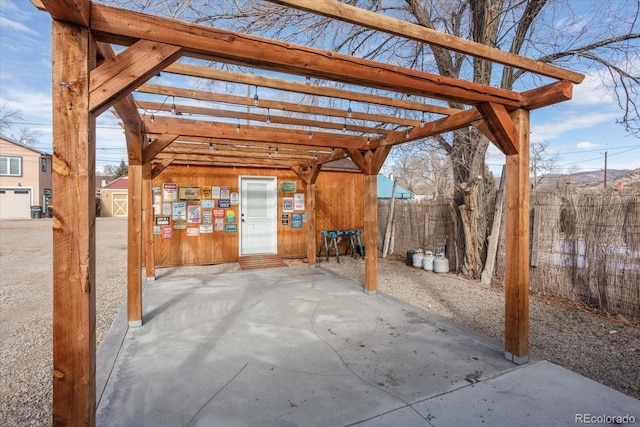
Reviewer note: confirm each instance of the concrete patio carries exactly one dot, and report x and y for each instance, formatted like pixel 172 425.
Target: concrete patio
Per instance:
pixel 304 346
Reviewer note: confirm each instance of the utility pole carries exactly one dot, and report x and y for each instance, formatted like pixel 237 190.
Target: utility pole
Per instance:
pixel 605 169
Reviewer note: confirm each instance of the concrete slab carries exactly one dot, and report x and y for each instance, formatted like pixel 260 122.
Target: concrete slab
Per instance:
pixel 305 347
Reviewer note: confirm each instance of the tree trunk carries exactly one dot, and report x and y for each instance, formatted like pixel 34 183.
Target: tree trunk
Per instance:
pixel 472 265
pixel 387 234
pixel 494 237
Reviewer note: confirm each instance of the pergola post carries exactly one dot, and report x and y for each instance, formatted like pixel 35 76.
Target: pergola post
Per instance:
pixel 147 204
pixel 310 201
pixel 517 244
pixel 74 304
pixel 134 246
pixel 371 233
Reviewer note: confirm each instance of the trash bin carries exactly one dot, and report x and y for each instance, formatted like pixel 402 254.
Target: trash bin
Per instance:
pixel 36 212
pixel 49 211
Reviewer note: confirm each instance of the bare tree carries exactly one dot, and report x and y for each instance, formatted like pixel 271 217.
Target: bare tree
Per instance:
pixel 600 36
pixel 117 171
pixel 542 162
pixel 7 118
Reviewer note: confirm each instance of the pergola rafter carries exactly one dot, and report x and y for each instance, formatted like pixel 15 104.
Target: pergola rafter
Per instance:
pixel 206 126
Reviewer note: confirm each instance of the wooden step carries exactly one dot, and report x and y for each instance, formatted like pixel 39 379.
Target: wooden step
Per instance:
pixel 254 262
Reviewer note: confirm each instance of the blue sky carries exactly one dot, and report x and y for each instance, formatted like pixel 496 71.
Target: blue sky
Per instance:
pixel 578 131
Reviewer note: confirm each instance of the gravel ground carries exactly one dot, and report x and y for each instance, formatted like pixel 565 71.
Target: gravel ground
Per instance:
pixel 606 350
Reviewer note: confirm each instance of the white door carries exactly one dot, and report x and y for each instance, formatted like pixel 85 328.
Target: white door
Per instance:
pixel 258 215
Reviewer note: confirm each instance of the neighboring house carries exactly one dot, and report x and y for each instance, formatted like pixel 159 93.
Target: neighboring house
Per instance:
pixel 114 198
pixel 385 186
pixel 25 180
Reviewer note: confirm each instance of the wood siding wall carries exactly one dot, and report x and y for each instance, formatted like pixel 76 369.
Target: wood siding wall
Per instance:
pixel 338 205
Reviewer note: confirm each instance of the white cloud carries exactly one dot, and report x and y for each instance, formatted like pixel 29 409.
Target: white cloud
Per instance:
pixel 592 91
pixel 585 145
pixel 568 122
pixel 8 24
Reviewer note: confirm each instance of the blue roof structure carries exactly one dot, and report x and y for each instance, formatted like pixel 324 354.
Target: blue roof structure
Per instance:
pixel 385 186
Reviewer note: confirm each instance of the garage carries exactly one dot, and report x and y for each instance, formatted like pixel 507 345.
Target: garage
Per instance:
pixel 15 203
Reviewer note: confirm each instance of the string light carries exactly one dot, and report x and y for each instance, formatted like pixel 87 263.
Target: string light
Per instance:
pixel 210 146
pixel 238 126
pixel 407 134
pixel 310 134
pixel 308 82
pixel 344 126
pixel 368 141
pixel 255 97
pixel 152 118
pixel 268 116
pixel 349 111
pixel 422 120
pixel 173 106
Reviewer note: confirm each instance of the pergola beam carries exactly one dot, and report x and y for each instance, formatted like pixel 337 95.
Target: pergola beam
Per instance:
pixel 120 75
pixel 308 89
pixel 376 21
pixel 115 25
pixel 273 105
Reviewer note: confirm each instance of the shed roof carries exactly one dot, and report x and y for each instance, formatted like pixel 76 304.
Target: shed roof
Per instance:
pixel 385 186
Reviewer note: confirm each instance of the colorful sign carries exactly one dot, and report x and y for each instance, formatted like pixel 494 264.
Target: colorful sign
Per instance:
pixel 296 220
pixel 170 192
pixel 163 220
pixel 231 215
pixel 298 202
pixel 167 232
pixel 231 228
pixel 189 192
pixel 284 219
pixel 179 211
pixel 206 192
pixel 224 203
pixel 288 187
pixel 194 214
pixel 287 204
pixel 218 213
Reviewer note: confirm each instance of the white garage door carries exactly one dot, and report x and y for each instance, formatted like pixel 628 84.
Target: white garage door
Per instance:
pixel 15 203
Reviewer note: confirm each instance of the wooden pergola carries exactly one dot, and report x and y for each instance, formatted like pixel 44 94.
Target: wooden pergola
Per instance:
pixel 89 78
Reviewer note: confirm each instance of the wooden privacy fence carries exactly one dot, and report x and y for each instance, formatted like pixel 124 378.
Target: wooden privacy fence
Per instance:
pixel 585 246
pixel 423 225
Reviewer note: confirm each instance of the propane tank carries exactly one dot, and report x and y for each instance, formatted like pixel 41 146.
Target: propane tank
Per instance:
pixel 417 258
pixel 427 261
pixel 441 264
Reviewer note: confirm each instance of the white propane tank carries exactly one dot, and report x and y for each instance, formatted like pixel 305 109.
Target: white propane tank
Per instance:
pixel 417 258
pixel 427 261
pixel 441 264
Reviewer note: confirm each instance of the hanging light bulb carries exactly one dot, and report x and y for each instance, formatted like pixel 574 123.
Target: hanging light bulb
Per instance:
pixel 407 134
pixel 368 141
pixel 349 111
pixel 422 120
pixel 316 156
pixel 238 126
pixel 344 126
pixel 255 97
pixel 268 116
pixel 310 134
pixel 269 152
pixel 173 106
pixel 152 118
pixel 210 146
pixel 276 149
pixel 308 82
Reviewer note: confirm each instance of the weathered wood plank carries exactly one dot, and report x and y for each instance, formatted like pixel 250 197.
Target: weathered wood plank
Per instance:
pixel 517 245
pixel 117 77
pixel 501 127
pixel 126 27
pixel 74 309
pixel 376 21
